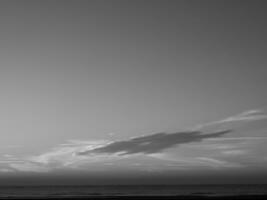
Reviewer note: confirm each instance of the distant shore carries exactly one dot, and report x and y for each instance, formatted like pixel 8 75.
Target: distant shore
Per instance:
pixel 187 197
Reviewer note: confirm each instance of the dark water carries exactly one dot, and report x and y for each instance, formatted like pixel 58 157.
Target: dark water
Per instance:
pixel 84 191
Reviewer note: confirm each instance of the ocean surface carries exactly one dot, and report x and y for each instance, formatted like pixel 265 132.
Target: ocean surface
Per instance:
pixel 89 191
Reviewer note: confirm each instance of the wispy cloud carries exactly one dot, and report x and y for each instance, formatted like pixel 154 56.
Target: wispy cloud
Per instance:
pixel 192 162
pixel 65 154
pixel 152 143
pixel 237 138
pixel 218 163
pixel 234 152
pixel 29 167
pixel 250 115
pixel 6 170
pixel 8 158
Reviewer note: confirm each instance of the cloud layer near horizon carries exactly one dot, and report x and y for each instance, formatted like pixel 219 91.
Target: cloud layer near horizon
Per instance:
pixel 204 148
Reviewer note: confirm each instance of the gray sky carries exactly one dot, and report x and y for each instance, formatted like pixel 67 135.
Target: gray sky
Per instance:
pixel 76 76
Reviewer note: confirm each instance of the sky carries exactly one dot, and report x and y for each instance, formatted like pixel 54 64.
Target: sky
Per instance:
pixel 133 92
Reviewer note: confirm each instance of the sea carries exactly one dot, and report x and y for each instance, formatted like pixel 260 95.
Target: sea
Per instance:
pixel 43 192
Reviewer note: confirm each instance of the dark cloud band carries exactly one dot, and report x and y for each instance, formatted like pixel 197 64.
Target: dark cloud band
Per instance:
pixel 152 143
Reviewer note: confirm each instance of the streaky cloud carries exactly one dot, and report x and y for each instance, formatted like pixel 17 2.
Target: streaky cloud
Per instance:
pixel 246 116
pixel 28 167
pixel 237 138
pixel 6 170
pixel 153 143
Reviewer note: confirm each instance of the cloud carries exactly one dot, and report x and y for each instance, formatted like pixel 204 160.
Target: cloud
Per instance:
pixel 91 155
pixel 152 143
pixel 55 157
pixel 237 138
pixel 91 143
pixel 28 167
pixel 5 170
pixel 250 115
pixel 64 154
pixel 234 152
pixel 218 163
pixel 195 162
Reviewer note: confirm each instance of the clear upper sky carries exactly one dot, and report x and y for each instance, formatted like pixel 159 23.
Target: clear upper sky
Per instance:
pixel 97 88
